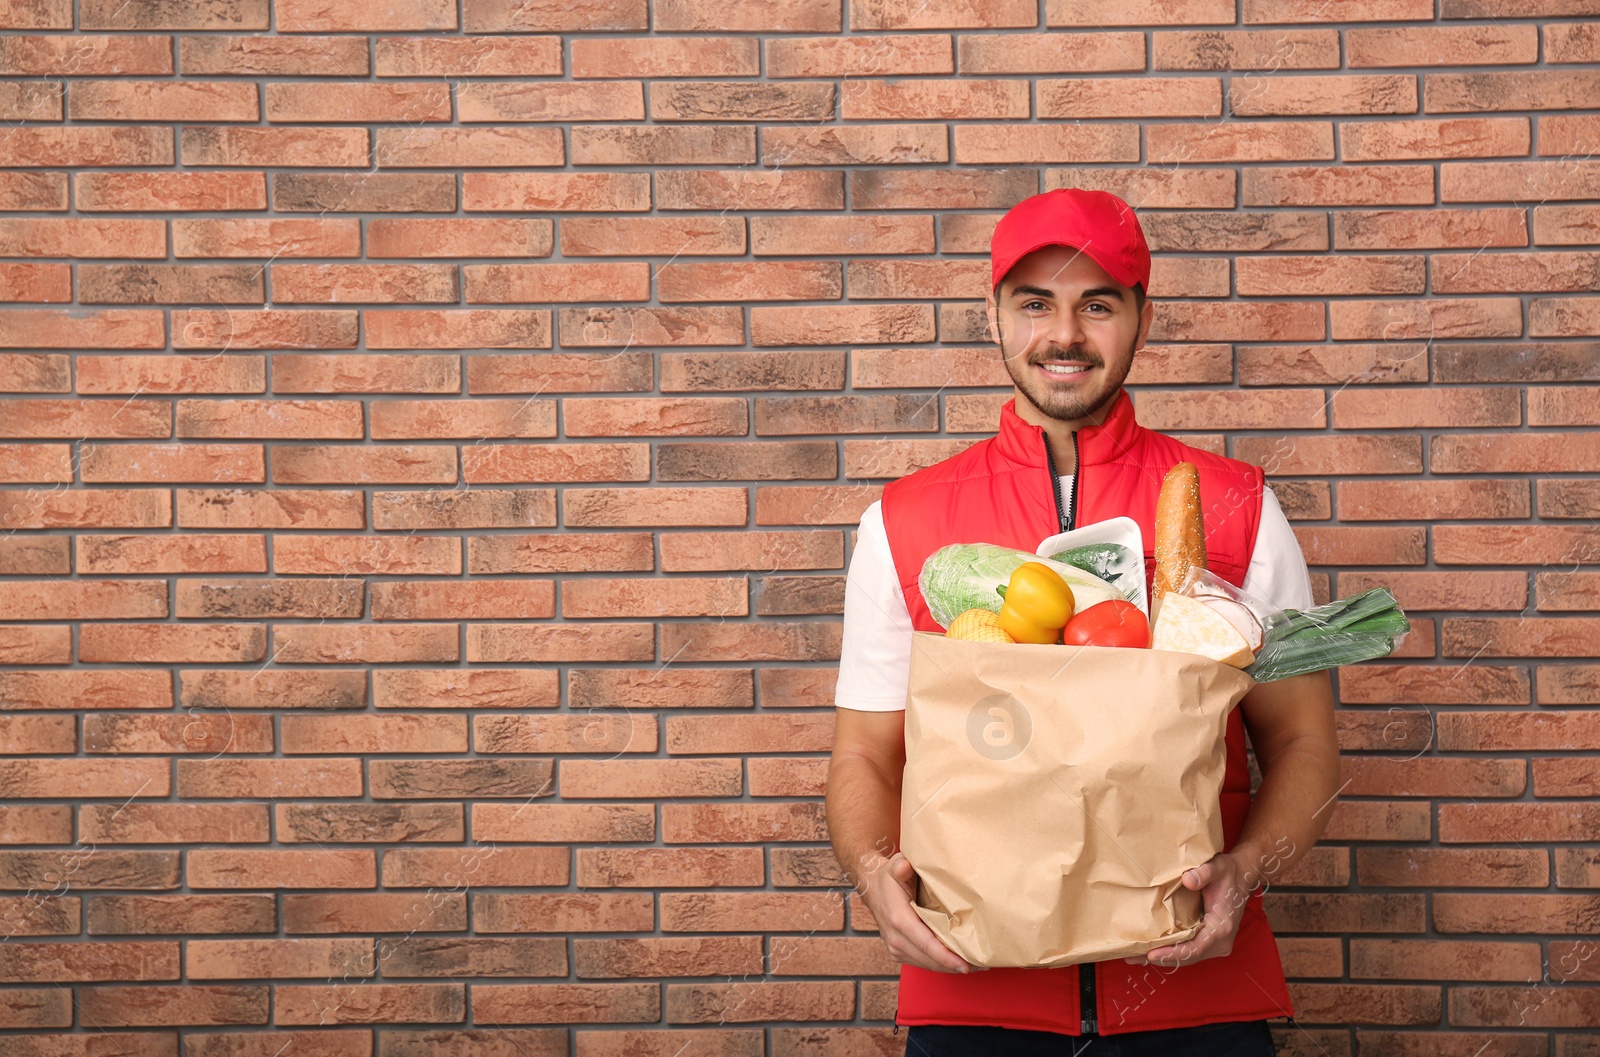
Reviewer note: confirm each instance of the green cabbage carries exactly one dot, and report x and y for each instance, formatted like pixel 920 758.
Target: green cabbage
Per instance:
pixel 964 576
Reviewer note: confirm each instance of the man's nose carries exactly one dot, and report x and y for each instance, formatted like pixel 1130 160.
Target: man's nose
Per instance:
pixel 1064 330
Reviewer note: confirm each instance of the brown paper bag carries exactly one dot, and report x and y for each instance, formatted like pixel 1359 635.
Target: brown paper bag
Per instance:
pixel 1054 795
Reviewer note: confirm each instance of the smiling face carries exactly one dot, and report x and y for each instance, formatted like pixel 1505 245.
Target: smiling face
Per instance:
pixel 1067 332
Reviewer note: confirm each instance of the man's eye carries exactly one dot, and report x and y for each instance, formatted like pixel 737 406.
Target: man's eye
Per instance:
pixel 1099 305
pixel 1034 305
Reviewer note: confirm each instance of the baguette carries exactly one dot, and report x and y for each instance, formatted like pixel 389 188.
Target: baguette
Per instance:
pixel 1180 529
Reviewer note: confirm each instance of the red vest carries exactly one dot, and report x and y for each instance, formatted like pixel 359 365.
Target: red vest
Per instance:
pixel 1001 490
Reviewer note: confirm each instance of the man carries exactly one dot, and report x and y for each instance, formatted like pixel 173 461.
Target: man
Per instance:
pixel 1069 310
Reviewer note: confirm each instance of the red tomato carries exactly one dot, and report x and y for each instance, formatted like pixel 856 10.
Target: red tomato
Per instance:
pixel 1114 622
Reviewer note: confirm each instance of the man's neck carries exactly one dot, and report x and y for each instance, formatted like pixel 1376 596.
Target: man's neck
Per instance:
pixel 1058 430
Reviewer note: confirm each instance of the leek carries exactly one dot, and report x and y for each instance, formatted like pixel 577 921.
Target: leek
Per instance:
pixel 1360 628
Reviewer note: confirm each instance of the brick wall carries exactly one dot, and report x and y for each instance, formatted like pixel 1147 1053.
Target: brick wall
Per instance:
pixel 432 434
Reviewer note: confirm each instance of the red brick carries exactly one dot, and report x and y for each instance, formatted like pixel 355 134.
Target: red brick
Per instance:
pixel 741 101
pixel 741 371
pixel 1522 912
pixel 570 822
pixel 37 15
pixel 490 643
pixel 500 56
pixel 1253 321
pixel 845 414
pixel 32 191
pixel 751 911
pixel 1431 500
pixel 1444 590
pixel 364 644
pixel 1443 46
pixel 232 15
pixel 746 16
pixel 841 325
pixel 1325 364
pixel 596 779
pixel 749 189
pixel 1387 820
pixel 428 237
pixel 1453 867
pixel 772 776
pixel 1239 141
pixel 487 283
pixel 1558 777
pixel 550 101
pixel 766 551
pixel 667 956
pixel 274 508
pixel 621 192
pixel 1508 90
pixel 1375 776
pixel 1367 1004
pixel 1563 225
pixel 289 146
pixel 1570 42
pixel 991 53
pixel 280 237
pixel 1348 454
pixel 1142 12
pixel 854 145
pixel 559 552
pixel 1344 912
pixel 679 597
pixel 1060 144
pixel 565 1003
pixel 410 102
pixel 1518 732
pixel 1568 684
pixel 623 732
pixel 1576 868
pixel 1426 320
pixel 467 419
pixel 1168 410
pixel 419 147
pixel 1323 94
pixel 122 100
pixel 1275 49
pixel 651 236
pixel 813 504
pixel 306 16
pixel 364 192
pixel 673 687
pixel 1566 590
pixel 1518 362
pixel 664 57
pixel 86 55
pixel 881 55
pixel 234 55
pixel 1514 453
pixel 1392 408
pixel 668 145
pixel 1562 317
pixel 760 1001
pixel 749 281
pixel 1542 181
pixel 554 16
pixel 669 867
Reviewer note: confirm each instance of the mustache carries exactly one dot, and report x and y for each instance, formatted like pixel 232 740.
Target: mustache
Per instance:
pixel 1056 353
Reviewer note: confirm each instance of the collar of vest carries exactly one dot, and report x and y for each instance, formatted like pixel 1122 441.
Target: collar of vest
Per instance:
pixel 1022 441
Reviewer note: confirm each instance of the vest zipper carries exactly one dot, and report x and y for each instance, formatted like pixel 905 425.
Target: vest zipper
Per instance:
pixel 1065 520
pixel 1086 1001
pixel 1077 472
pixel 1086 996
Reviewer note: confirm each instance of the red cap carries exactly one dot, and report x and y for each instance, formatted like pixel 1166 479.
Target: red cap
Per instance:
pixel 1096 222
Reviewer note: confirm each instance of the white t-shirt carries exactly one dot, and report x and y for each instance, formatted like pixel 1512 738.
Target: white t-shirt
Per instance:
pixel 875 659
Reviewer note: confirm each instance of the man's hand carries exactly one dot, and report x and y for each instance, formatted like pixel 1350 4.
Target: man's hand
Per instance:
pixel 1222 885
pixel 889 887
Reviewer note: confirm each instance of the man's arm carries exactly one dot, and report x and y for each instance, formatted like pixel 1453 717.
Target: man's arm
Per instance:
pixel 863 809
pixel 1290 722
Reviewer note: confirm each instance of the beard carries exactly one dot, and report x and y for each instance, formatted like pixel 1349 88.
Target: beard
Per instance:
pixel 1075 397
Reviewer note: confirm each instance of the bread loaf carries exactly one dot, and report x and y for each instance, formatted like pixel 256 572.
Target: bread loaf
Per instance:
pixel 1180 529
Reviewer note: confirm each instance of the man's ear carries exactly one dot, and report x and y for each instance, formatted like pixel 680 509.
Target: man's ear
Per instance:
pixel 1146 317
pixel 992 311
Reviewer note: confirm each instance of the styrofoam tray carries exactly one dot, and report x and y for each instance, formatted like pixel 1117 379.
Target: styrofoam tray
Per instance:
pixel 1121 530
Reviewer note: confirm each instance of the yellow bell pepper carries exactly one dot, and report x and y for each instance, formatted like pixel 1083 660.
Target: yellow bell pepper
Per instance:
pixel 1038 604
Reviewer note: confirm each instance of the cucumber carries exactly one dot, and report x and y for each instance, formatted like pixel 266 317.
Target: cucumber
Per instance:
pixel 1104 560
